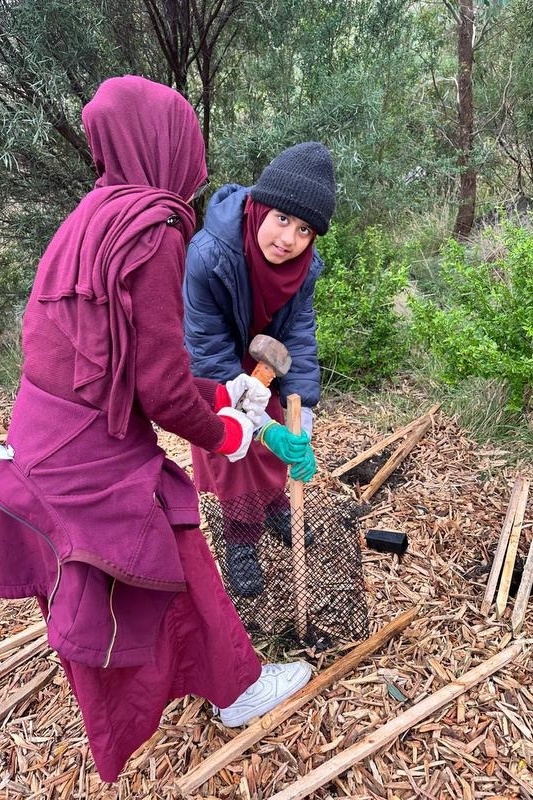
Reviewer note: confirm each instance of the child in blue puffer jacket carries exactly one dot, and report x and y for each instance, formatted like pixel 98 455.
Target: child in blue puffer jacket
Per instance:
pixel 252 269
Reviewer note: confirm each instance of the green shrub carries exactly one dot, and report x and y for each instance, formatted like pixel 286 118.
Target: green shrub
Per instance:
pixel 15 284
pixel 10 360
pixel 360 336
pixel 485 327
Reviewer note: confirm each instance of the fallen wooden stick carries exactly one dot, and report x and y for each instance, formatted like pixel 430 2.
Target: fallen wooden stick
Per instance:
pixel 299 570
pixel 392 729
pixel 381 445
pixel 396 459
pixel 512 549
pixel 522 596
pixel 23 654
pixel 15 641
pixel 499 555
pixel 261 727
pixel 25 691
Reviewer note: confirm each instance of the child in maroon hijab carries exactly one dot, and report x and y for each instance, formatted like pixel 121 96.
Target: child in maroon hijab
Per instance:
pixel 94 520
pixel 252 269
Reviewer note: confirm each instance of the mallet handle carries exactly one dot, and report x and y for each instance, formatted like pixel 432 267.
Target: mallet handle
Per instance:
pixel 264 373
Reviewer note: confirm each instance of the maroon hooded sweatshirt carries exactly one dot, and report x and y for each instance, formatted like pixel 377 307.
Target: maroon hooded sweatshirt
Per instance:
pixel 105 525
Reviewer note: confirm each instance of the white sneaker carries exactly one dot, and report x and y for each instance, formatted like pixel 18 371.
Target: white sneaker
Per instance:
pixel 276 683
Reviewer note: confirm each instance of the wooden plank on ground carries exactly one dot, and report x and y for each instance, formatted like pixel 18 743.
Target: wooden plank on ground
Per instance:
pixel 260 728
pixel 36 683
pixel 395 727
pixel 18 639
pixel 512 549
pixel 39 646
pixel 501 548
pixel 383 443
pixel 523 594
pixel 396 459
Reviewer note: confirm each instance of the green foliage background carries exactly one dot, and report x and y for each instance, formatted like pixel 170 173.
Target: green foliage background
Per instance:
pixel 484 325
pixel 376 81
pixel 360 336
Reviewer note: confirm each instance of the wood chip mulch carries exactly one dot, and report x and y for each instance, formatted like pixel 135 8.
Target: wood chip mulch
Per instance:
pixel 450 498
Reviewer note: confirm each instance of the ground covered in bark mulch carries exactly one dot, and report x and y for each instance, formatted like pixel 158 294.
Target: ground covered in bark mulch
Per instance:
pixel 450 498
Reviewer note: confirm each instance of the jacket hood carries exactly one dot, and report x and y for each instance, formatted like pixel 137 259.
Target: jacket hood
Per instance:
pixel 223 217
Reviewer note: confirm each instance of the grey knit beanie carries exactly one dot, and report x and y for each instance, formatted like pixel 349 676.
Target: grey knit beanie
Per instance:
pixel 300 181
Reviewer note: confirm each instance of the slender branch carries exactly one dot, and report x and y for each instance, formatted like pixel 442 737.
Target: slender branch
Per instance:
pixel 502 105
pixel 453 11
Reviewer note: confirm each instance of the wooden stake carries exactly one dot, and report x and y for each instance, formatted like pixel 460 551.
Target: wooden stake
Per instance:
pixel 23 654
pixel 392 729
pixel 512 549
pixel 26 691
pixel 15 641
pixel 499 555
pixel 396 458
pixel 294 411
pixel 261 727
pixel 381 445
pixel 522 596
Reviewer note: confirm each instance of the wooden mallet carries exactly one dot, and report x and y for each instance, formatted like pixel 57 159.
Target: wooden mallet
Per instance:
pixel 273 361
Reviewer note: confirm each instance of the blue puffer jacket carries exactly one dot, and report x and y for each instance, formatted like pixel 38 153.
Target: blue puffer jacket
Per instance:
pixel 218 304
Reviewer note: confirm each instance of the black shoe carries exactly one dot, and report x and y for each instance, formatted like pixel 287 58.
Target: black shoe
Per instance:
pixel 279 524
pixel 244 570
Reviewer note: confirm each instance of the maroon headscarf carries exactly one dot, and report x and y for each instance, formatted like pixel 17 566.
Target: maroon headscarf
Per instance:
pixel 149 153
pixel 272 285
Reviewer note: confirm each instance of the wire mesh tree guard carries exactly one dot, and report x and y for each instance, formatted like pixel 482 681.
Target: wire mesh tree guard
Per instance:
pixel 252 538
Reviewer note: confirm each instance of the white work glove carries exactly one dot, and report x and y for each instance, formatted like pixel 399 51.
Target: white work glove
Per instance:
pixel 247 431
pixel 264 418
pixel 254 396
pixel 307 418
pixel 6 453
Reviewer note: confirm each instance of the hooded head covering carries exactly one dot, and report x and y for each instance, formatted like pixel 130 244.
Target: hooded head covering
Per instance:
pixel 149 154
pixel 146 134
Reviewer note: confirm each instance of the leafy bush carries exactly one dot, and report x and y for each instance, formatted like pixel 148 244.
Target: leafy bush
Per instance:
pixel 10 361
pixel 485 328
pixel 360 335
pixel 15 283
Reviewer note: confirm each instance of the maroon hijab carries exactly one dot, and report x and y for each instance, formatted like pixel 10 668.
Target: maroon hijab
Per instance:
pixel 272 285
pixel 149 153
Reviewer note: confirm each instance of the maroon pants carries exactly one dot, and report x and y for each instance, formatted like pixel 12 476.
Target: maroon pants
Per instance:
pixel 203 649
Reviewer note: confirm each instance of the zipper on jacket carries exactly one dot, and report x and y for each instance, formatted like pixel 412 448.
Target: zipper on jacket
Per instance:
pixel 52 548
pixel 115 626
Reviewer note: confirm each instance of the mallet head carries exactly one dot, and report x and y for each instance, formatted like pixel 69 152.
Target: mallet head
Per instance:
pixel 267 350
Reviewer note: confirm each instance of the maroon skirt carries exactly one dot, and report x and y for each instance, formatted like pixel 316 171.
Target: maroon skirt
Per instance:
pixel 259 470
pixel 203 649
pixel 249 489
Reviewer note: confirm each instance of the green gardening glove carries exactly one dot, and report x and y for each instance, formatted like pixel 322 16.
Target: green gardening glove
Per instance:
pixel 287 446
pixel 305 468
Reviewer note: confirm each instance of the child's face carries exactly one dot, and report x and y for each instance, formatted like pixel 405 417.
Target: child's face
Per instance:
pixel 282 236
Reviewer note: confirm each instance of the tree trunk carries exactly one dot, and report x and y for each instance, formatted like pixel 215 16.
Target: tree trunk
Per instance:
pixel 206 105
pixel 468 176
